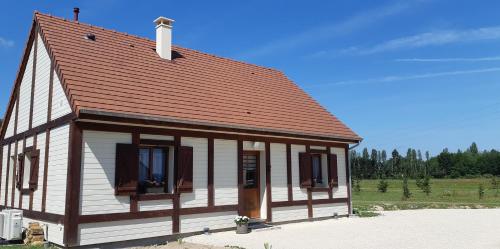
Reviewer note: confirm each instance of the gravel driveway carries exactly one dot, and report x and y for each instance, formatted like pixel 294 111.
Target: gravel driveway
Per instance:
pixel 428 228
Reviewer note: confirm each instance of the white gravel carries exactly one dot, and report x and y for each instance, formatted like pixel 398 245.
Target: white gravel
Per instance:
pixel 427 228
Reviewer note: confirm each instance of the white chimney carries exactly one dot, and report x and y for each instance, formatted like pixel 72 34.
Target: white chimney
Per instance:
pixel 164 37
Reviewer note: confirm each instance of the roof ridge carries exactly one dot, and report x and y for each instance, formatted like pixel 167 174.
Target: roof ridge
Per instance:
pixel 38 13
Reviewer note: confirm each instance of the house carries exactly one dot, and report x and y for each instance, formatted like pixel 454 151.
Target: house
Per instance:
pixel 110 137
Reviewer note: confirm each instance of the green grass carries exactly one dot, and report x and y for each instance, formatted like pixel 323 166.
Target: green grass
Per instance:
pixel 21 247
pixel 446 193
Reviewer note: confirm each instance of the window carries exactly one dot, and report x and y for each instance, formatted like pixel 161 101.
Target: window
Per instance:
pixel 153 170
pixel 26 170
pixel 250 170
pixel 317 176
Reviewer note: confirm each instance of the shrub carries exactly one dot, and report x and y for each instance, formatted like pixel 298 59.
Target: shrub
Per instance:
pixel 406 190
pixel 481 191
pixel 426 185
pixel 357 186
pixel 495 185
pixel 382 186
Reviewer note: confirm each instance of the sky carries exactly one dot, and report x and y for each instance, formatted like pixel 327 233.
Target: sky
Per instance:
pixel 423 74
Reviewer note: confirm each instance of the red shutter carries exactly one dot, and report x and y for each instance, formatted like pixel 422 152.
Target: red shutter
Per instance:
pixel 33 181
pixel 305 170
pixel 185 182
pixel 334 176
pixel 127 169
pixel 20 170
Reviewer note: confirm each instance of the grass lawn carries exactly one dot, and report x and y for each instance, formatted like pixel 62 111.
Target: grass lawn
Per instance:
pixel 446 193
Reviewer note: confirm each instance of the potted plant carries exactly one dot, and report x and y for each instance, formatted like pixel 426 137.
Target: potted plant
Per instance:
pixel 241 224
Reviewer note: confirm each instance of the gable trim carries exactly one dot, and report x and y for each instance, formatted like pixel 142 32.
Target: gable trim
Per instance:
pixel 33 78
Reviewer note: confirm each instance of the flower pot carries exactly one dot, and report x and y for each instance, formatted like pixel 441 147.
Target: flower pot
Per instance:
pixel 242 228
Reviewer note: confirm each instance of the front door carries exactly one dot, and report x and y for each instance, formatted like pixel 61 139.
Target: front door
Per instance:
pixel 251 183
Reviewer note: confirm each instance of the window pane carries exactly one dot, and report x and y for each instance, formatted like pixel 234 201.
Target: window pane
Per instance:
pixel 143 165
pixel 159 166
pixel 316 167
pixel 250 171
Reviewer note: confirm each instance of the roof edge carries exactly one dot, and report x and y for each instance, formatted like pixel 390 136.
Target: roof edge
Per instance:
pixel 103 115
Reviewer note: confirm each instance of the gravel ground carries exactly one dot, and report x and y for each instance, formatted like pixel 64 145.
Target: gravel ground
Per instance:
pixel 428 228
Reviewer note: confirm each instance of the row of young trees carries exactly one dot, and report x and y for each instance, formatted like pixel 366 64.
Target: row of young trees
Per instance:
pixel 415 164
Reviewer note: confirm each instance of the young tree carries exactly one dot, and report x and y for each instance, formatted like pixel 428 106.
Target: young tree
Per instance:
pixel 396 162
pixel 382 186
pixel 357 185
pixel 495 185
pixel 406 189
pixel 473 148
pixel 481 191
pixel 426 185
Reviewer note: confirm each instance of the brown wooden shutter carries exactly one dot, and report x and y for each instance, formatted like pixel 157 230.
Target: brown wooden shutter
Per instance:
pixel 33 181
pixel 305 171
pixel 20 170
pixel 127 169
pixel 185 182
pixel 334 176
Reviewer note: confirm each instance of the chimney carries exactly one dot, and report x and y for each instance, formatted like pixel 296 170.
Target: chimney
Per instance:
pixel 164 37
pixel 75 14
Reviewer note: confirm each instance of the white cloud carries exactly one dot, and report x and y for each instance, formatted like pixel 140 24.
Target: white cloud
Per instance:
pixel 430 39
pixel 393 78
pixel 456 59
pixel 6 43
pixel 356 22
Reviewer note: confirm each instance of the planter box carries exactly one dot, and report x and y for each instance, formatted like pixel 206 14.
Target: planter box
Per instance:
pixel 242 229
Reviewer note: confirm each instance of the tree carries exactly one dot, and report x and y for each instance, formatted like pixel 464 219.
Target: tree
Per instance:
pixel 382 186
pixel 396 162
pixel 426 185
pixel 357 186
pixel 406 190
pixel 473 148
pixel 495 184
pixel 481 191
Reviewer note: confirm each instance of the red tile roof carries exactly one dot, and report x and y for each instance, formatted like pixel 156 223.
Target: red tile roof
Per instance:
pixel 121 73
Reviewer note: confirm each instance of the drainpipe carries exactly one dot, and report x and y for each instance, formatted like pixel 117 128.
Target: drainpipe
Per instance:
pixel 350 172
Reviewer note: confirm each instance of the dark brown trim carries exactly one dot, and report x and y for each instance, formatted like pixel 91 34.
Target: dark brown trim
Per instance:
pixel 17 113
pixel 73 185
pixel 153 214
pixel 36 215
pixel 154 197
pixel 240 178
pixel 33 76
pixel 123 216
pixel 348 179
pixel 145 120
pixel 45 170
pixel 306 202
pixel 176 200
pixel 309 193
pixel 13 185
pixel 210 177
pixel 328 163
pixel 134 206
pixel 269 198
pixel 7 175
pixel 31 191
pixel 203 210
pixel 289 171
pixel 50 125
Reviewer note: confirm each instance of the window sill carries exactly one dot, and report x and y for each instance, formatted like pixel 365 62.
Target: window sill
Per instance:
pixel 153 197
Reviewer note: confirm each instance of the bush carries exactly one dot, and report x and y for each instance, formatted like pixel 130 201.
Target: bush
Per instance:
pixel 495 185
pixel 481 191
pixel 357 186
pixel 382 186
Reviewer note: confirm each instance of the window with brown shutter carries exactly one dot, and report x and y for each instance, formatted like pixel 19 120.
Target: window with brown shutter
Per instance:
pixel 127 169
pixel 34 167
pixel 333 181
pixel 305 170
pixel 185 171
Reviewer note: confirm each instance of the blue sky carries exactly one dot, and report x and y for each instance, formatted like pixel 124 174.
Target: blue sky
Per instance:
pixel 424 74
